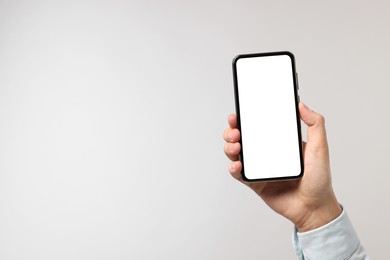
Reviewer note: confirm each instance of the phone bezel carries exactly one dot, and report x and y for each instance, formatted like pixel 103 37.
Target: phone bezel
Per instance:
pixel 296 98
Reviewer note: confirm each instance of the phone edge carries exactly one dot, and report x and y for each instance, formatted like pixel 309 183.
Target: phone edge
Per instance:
pixel 296 97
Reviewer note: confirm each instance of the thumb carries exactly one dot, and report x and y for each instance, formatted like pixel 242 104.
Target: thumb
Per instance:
pixel 316 124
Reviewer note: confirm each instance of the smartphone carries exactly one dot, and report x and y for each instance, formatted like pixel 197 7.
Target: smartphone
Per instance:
pixel 266 99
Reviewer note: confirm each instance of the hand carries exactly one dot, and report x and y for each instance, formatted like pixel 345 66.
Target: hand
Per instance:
pixel 310 202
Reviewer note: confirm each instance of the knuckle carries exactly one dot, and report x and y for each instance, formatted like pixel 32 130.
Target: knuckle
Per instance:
pixel 226 134
pixel 232 149
pixel 236 135
pixel 320 119
pixel 228 149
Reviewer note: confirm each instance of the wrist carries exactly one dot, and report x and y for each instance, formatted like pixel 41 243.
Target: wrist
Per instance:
pixel 319 216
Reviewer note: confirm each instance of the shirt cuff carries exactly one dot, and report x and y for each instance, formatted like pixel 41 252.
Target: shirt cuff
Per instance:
pixel 335 240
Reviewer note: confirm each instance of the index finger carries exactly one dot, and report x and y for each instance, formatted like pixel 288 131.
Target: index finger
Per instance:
pixel 232 120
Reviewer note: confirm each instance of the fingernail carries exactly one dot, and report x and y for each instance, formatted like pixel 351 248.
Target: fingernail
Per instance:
pixel 231 167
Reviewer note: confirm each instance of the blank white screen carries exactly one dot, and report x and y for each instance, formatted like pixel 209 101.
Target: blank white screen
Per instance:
pixel 268 117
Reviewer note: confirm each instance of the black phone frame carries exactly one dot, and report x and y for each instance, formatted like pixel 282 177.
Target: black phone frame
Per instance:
pixel 297 100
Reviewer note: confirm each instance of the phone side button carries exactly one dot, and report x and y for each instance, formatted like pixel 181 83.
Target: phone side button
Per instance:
pixel 296 74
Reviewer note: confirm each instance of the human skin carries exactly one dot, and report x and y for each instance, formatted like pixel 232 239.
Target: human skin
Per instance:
pixel 308 203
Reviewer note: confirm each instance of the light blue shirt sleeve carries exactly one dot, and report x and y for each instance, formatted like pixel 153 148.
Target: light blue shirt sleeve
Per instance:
pixel 336 240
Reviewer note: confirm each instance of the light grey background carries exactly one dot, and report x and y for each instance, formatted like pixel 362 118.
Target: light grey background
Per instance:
pixel 112 113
